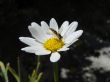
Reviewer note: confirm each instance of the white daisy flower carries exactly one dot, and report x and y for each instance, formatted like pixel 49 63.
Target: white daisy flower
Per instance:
pixel 49 39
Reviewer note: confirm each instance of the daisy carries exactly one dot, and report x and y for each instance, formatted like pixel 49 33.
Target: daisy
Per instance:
pixel 49 39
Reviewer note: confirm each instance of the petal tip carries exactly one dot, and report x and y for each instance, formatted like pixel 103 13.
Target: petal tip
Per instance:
pixel 33 23
pixel 22 49
pixel 42 22
pixel 20 38
pixel 81 31
pixel 29 27
pixel 52 18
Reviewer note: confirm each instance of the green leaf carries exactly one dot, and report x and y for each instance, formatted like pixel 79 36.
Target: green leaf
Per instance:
pixel 35 77
pixel 4 71
pixel 39 77
pixel 13 72
pixel 1 74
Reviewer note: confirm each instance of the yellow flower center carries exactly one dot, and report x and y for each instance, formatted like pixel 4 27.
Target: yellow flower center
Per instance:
pixel 53 44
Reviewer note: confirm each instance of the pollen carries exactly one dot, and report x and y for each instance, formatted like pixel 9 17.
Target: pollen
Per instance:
pixel 53 44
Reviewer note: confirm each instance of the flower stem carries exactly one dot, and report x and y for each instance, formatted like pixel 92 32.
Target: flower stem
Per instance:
pixel 19 71
pixel 55 66
pixel 38 63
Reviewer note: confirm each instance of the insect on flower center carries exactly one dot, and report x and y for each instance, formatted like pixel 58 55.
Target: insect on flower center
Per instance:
pixel 53 44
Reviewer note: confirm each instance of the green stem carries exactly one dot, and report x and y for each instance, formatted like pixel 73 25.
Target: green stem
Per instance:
pixel 55 66
pixel 38 63
pixel 19 72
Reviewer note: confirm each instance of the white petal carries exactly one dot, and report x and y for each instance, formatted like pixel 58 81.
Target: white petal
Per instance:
pixel 37 33
pixel 29 41
pixel 73 36
pixel 38 50
pixel 37 27
pixel 71 29
pixel 42 52
pixel 45 26
pixel 63 27
pixel 53 24
pixel 33 49
pixel 64 31
pixel 34 24
pixel 73 41
pixel 55 57
pixel 29 49
pixel 64 48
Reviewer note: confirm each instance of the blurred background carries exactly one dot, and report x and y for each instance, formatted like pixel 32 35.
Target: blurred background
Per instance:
pixel 93 17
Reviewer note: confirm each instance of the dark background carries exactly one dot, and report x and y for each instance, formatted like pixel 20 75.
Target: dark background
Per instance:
pixel 93 17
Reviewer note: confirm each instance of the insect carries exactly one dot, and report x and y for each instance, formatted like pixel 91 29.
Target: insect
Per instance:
pixel 56 33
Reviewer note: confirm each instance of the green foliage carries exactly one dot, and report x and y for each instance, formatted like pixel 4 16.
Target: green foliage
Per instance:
pixel 13 72
pixel 35 77
pixel 4 72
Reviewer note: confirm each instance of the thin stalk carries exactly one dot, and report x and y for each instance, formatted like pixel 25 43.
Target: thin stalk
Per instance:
pixel 55 67
pixel 19 71
pixel 38 63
